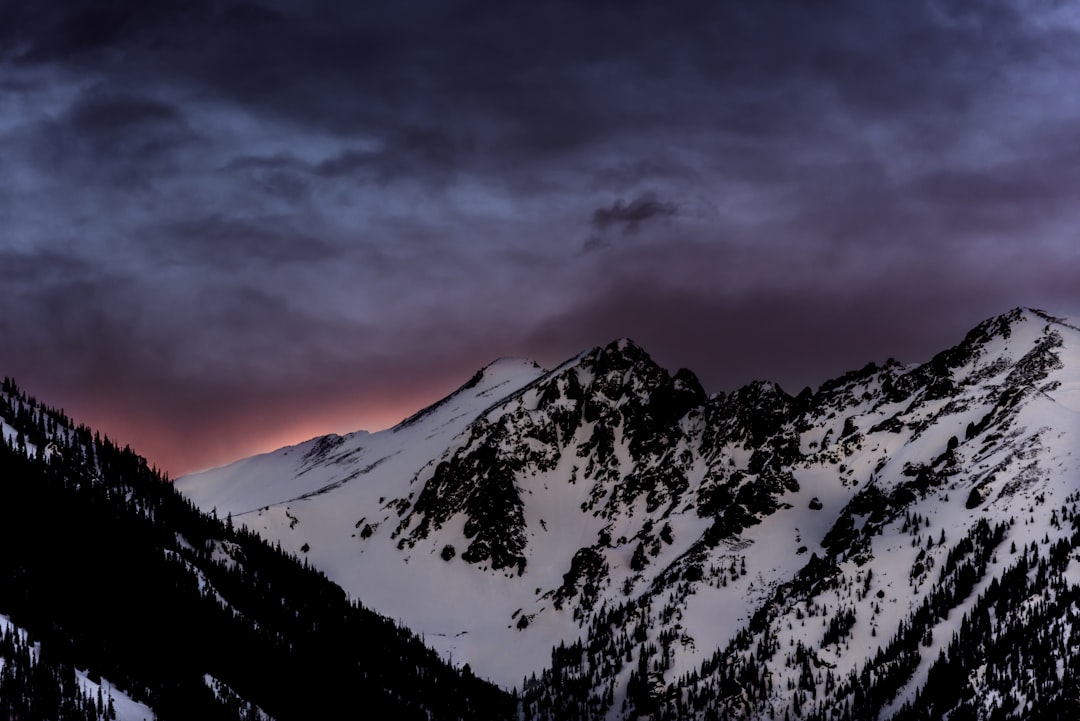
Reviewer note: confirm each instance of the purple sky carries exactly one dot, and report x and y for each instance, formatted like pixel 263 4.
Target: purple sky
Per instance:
pixel 227 226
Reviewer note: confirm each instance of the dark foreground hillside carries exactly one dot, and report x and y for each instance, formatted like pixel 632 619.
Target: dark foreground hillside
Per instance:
pixel 113 572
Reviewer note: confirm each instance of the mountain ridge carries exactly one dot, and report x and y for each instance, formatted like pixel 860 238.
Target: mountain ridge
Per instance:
pixel 609 492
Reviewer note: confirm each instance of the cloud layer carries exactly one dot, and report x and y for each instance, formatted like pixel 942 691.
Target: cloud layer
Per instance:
pixel 225 225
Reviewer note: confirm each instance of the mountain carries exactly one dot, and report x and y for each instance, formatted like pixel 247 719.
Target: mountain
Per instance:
pixel 604 536
pixel 120 599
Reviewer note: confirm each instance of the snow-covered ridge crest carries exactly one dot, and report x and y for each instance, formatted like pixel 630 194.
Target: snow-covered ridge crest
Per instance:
pixel 689 537
pixel 316 466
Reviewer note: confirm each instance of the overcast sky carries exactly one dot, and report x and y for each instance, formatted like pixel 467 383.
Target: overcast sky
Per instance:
pixel 228 226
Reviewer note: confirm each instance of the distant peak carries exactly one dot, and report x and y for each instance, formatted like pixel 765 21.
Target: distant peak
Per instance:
pixel 760 390
pixel 1046 317
pixel 764 387
pixel 505 372
pixel 502 366
pixel 512 362
pixel 1023 313
pixel 624 346
pixel 1002 325
pixel 623 354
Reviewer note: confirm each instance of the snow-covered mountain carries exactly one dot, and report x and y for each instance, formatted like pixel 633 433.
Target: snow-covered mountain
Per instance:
pixel 616 543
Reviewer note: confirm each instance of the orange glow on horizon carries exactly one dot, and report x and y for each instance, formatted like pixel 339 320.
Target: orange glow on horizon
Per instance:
pixel 293 434
pixel 246 433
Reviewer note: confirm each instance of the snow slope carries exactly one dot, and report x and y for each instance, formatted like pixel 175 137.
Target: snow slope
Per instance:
pixel 125 708
pixel 310 495
pixel 756 549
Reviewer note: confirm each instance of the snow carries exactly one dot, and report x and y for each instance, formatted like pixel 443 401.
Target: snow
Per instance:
pixel 324 493
pixel 225 692
pixel 8 433
pixel 293 474
pixel 363 471
pixel 126 708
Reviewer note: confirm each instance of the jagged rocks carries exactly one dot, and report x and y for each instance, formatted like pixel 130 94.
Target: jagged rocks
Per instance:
pixel 745 552
pixel 587 568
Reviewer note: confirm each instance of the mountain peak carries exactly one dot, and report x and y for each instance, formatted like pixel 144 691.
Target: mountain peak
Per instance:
pixel 761 389
pixel 624 346
pixel 609 494
pixel 1004 324
pixel 509 365
pixel 506 373
pixel 621 353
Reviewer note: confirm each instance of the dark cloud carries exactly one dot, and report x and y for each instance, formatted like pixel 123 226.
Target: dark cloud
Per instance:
pixel 37 269
pixel 224 219
pixel 105 140
pixel 625 218
pixel 234 243
pixel 98 114
pixel 630 216
pixel 793 322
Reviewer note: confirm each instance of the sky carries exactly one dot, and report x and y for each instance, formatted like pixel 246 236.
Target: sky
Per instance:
pixel 228 226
